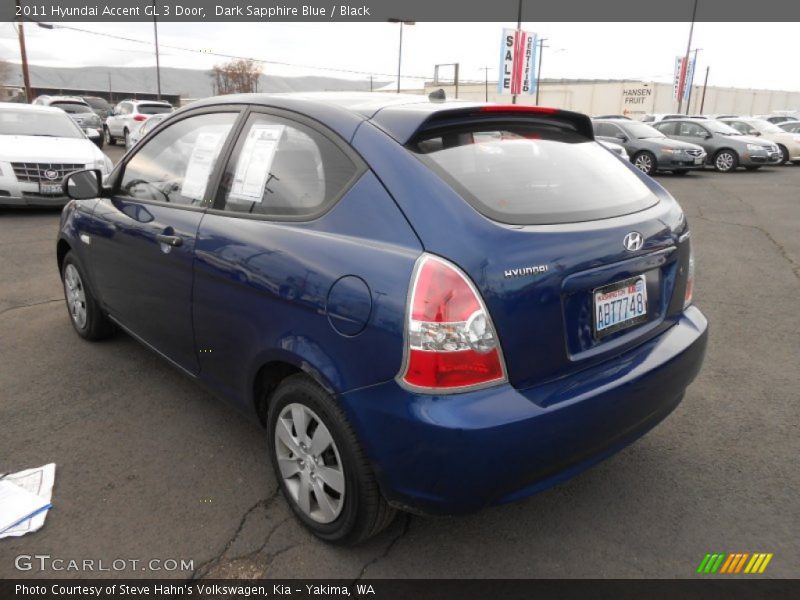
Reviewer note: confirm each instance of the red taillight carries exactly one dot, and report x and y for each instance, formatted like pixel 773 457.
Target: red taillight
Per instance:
pixel 451 341
pixel 542 110
pixel 139 118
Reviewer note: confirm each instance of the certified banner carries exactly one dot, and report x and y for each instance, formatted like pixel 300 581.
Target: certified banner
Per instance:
pixel 687 85
pixel 517 62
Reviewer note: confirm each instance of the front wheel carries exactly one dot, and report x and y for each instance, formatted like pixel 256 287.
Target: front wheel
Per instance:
pixel 726 161
pixel 320 466
pixel 84 310
pixel 784 154
pixel 110 139
pixel 645 162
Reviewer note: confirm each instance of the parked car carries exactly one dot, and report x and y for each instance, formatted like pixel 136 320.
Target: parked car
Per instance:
pixel 776 119
pixel 99 105
pixel 419 321
pixel 617 149
pixel 613 117
pixel 790 126
pixel 726 148
pixel 788 143
pixel 655 118
pixel 80 112
pixel 128 114
pixel 649 149
pixel 143 129
pixel 39 145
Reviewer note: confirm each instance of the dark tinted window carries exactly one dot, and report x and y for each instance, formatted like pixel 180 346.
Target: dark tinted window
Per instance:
pixel 71 107
pixel 603 130
pixel 176 164
pixel 283 168
pixel 667 127
pixel 153 109
pixel 98 103
pixel 532 174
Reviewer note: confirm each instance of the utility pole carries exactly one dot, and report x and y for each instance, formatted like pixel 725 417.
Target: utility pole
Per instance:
pixel 519 28
pixel 485 83
pixel 400 48
pixel 705 85
pixel 691 83
pixel 26 78
pixel 539 69
pixel 686 57
pixel 158 60
pixel 370 83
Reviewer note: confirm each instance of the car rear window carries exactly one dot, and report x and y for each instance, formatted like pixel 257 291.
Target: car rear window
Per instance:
pixel 72 107
pixel 153 109
pixel 532 174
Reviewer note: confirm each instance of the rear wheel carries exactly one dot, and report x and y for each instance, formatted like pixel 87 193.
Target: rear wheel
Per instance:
pixel 125 136
pixel 84 311
pixel 320 466
pixel 784 154
pixel 110 140
pixel 726 161
pixel 645 161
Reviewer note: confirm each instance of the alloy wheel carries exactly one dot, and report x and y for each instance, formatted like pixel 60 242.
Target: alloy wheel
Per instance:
pixel 724 161
pixel 309 463
pixel 644 163
pixel 75 295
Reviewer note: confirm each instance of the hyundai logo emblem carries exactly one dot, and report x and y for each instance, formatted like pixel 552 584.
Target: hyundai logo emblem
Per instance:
pixel 633 241
pixel 51 174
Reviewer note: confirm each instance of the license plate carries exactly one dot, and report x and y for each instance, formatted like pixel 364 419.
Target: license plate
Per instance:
pixel 698 161
pixel 50 189
pixel 620 305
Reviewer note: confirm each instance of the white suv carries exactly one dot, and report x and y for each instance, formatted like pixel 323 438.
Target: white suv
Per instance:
pixel 128 115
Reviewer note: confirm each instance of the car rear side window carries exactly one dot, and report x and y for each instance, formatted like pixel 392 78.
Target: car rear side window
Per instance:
pixel 175 165
pixel 282 168
pixel 532 174
pixel 153 109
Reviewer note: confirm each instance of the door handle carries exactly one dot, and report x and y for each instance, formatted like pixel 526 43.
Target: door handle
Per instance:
pixel 170 240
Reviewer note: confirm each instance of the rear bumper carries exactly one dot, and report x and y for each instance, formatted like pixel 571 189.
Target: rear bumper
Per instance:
pixel 456 454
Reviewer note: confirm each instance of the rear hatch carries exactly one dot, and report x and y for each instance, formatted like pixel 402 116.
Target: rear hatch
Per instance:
pixel 577 255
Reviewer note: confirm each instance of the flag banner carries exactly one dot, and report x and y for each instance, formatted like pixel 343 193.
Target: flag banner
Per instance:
pixel 517 62
pixel 687 87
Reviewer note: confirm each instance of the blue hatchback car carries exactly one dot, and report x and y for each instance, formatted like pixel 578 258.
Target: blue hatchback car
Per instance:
pixel 430 306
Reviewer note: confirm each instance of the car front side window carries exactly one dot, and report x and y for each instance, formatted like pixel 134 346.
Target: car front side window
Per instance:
pixel 282 168
pixel 175 166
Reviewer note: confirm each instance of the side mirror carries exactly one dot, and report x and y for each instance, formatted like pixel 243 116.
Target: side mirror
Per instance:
pixel 707 136
pixel 755 133
pixel 83 185
pixel 621 138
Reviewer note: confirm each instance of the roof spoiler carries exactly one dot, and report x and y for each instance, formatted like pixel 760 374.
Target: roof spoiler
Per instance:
pixel 580 122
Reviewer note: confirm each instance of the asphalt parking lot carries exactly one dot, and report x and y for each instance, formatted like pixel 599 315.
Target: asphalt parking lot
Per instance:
pixel 149 466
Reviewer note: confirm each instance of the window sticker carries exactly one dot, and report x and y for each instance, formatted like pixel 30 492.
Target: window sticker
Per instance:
pixel 204 152
pixel 255 162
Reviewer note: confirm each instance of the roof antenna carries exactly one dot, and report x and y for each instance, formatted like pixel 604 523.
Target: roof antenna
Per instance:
pixel 437 96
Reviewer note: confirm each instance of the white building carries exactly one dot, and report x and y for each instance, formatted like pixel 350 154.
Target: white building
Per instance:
pixel 633 98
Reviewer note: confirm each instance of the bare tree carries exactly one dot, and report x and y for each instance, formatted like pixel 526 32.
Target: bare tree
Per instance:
pixel 236 77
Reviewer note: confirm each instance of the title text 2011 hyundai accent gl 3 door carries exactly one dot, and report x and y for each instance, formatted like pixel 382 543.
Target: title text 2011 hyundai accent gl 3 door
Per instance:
pixel 430 306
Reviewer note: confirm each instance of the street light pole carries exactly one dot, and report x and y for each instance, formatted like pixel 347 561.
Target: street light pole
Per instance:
pixel 688 49
pixel 705 85
pixel 158 60
pixel 519 28
pixel 400 49
pixel 539 68
pixel 26 78
pixel 486 83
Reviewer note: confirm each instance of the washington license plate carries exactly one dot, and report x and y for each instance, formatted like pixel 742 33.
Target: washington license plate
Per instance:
pixel 50 189
pixel 620 305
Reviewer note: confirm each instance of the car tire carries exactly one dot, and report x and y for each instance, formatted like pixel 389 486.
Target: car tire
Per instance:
pixel 726 160
pixel 84 311
pixel 646 162
pixel 348 516
pixel 109 138
pixel 681 172
pixel 125 137
pixel 784 154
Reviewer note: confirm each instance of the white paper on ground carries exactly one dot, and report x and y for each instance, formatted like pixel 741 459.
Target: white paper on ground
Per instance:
pixel 37 483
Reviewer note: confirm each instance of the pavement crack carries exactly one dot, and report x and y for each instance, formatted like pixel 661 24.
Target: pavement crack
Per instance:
pixel 780 247
pixel 206 566
pixel 30 304
pixel 387 550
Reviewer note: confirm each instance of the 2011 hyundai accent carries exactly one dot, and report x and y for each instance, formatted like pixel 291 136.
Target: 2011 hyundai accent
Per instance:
pixel 430 306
